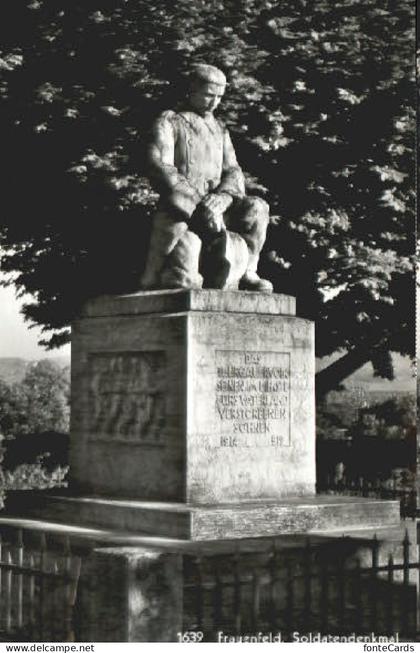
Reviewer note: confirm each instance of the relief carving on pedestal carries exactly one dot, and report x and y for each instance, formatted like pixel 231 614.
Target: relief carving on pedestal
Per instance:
pixel 127 396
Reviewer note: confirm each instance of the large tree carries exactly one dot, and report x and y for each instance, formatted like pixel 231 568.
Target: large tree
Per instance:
pixel 321 108
pixel 34 425
pixel 37 404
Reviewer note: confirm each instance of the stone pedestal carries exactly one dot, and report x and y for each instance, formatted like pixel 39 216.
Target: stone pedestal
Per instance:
pixel 198 397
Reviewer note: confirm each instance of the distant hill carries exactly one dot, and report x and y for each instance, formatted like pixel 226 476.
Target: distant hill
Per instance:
pixel 12 370
pixel 61 361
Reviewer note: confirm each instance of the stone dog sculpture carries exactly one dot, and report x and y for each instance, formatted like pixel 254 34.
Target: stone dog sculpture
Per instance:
pixel 206 231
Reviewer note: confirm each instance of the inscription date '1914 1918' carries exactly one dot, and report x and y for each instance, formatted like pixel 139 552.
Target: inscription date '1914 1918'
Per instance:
pixel 253 398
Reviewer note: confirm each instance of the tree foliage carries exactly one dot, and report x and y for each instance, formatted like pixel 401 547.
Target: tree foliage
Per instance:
pixel 321 108
pixel 34 475
pixel 38 404
pixel 34 425
pixel 399 412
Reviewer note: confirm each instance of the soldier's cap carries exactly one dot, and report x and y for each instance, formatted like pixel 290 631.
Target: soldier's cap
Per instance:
pixel 204 73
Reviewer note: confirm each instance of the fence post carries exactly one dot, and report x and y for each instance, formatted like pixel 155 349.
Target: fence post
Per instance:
pixel 130 595
pixel 237 588
pixel 199 593
pixel 19 562
pixel 373 582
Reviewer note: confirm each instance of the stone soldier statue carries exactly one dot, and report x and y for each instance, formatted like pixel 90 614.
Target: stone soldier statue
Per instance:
pixel 206 230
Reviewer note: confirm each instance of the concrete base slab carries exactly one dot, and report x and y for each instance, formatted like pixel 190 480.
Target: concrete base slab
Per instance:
pixel 208 522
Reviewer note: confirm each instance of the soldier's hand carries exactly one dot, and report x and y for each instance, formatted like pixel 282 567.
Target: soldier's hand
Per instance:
pixel 213 220
pixel 212 208
pixel 218 203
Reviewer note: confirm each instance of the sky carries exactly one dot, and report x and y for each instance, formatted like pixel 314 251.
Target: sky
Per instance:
pixel 16 339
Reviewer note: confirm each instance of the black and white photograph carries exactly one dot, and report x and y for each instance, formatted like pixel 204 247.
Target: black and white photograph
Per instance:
pixel 208 391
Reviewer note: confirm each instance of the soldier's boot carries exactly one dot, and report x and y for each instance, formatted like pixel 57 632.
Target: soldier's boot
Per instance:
pixel 252 281
pixel 253 228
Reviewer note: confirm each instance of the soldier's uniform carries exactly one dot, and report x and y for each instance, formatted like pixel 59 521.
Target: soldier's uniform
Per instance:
pixel 191 156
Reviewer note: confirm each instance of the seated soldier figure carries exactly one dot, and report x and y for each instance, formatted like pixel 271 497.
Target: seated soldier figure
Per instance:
pixel 193 166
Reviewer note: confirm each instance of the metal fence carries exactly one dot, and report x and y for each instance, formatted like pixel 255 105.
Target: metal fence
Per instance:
pixel 38 587
pixel 322 588
pixel 319 585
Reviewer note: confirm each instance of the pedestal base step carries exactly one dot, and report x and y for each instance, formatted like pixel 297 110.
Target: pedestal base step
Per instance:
pixel 213 522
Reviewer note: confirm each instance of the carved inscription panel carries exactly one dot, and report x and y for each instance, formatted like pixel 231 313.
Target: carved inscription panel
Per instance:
pixel 252 398
pixel 127 396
